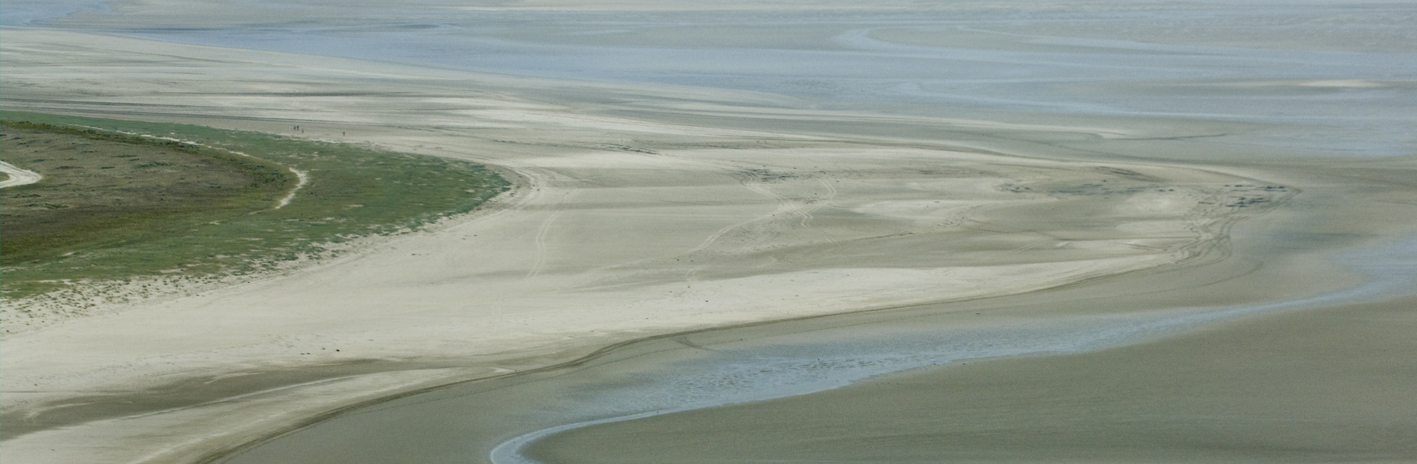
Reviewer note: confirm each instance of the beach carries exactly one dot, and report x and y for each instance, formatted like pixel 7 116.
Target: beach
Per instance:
pixel 1055 278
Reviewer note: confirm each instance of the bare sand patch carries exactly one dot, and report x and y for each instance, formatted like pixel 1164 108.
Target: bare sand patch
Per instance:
pixel 16 176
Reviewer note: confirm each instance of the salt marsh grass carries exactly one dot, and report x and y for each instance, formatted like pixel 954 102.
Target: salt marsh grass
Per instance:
pixel 116 206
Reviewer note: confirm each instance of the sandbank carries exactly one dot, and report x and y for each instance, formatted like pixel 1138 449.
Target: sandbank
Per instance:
pixel 631 218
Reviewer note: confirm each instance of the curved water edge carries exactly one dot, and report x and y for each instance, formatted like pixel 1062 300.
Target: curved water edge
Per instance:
pixel 727 377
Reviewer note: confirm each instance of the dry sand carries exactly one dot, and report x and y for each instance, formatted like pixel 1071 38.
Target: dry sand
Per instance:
pixel 636 213
pixel 17 176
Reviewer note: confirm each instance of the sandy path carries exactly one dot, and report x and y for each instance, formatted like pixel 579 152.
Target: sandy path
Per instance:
pixel 304 178
pixel 620 227
pixel 18 176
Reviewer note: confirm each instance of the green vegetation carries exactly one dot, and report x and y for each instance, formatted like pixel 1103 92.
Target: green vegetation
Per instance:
pixel 104 189
pixel 115 206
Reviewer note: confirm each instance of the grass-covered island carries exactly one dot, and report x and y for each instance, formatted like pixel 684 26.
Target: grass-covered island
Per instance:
pixel 125 203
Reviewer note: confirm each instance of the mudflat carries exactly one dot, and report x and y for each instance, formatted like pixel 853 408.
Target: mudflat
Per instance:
pixel 1311 386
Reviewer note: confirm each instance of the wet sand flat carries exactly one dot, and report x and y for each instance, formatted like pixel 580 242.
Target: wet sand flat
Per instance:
pixel 1330 385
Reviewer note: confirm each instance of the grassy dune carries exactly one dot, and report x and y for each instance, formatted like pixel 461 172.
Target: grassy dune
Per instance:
pixel 115 206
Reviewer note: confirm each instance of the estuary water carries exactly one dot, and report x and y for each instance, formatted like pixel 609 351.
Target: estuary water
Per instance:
pixel 1326 77
pixel 27 12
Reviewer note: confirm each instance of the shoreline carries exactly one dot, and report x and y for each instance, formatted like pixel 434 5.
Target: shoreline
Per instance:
pixel 1200 322
pixel 1158 330
pixel 498 278
pixel 1155 412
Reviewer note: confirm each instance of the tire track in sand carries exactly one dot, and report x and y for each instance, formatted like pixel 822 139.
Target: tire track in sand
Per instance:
pixel 540 240
pixel 785 205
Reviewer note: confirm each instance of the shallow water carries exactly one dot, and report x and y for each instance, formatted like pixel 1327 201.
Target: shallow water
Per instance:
pixel 777 367
pixel 26 12
pixel 1326 76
